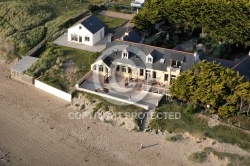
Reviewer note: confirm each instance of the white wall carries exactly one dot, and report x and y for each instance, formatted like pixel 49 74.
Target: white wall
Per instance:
pixel 98 35
pixel 53 91
pixel 81 32
pixel 94 38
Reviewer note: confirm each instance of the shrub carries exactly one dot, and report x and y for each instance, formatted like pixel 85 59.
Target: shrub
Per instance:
pixel 199 157
pixel 190 109
pixel 175 138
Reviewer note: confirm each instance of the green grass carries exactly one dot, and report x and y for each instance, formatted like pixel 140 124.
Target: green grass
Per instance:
pixel 111 22
pixel 174 138
pixel 196 125
pixel 50 68
pixel 121 2
pixel 24 23
pixel 234 159
pixel 198 157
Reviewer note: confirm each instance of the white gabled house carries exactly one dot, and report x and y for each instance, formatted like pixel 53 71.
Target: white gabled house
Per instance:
pixel 88 31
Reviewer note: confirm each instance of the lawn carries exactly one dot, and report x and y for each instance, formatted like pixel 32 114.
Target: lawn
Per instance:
pixel 111 22
pixel 62 67
pixel 195 125
pixel 121 2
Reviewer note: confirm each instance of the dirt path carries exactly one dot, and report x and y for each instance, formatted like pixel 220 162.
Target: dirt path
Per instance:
pixel 35 130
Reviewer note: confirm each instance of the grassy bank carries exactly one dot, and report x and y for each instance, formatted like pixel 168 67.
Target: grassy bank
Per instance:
pixel 195 125
pixel 231 159
pixel 61 67
pixel 23 23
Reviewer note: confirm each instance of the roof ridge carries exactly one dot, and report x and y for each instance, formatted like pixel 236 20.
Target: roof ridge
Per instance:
pixel 154 46
pixel 240 62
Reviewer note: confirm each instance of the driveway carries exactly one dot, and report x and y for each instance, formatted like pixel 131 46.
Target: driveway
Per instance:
pixel 98 47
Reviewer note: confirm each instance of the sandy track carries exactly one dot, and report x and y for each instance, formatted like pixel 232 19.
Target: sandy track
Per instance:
pixel 35 130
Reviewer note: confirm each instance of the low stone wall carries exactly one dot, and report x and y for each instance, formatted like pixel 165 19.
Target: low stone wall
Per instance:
pixel 56 92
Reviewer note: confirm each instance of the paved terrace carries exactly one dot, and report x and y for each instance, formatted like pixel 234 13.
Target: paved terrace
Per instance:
pixel 98 47
pixel 130 95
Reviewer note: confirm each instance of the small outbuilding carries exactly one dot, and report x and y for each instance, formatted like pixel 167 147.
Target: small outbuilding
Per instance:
pixel 89 31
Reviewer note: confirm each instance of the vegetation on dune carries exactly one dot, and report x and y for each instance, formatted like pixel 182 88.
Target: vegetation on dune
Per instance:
pixel 25 23
pixel 62 67
pixel 196 125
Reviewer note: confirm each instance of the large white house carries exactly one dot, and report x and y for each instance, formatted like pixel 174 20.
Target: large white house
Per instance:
pixel 89 31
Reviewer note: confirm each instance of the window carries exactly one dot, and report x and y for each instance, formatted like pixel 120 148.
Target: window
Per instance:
pixel 114 51
pixel 86 38
pixel 125 54
pixel 118 68
pixel 80 27
pixel 106 69
pixel 154 74
pixel 74 37
pixel 124 69
pixel 166 77
pixel 141 72
pixel 100 68
pixel 149 60
pixel 176 64
pixel 94 67
pixel 129 70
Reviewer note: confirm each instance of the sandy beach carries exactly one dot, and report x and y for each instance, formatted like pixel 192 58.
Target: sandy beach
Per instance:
pixel 35 130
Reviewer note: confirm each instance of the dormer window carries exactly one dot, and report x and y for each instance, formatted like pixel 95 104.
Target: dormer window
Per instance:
pixel 175 64
pixel 149 59
pixel 125 54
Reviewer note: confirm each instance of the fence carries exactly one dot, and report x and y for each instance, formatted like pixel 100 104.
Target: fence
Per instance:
pixel 155 89
pixel 53 91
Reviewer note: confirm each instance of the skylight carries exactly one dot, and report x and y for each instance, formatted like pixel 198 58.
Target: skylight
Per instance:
pixel 162 60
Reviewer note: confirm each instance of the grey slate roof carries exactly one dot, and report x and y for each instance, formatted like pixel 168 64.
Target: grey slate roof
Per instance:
pixel 92 23
pixel 138 53
pixel 24 64
pixel 133 36
pixel 243 67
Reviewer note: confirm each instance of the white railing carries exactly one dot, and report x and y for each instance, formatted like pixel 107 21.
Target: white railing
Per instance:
pixel 155 89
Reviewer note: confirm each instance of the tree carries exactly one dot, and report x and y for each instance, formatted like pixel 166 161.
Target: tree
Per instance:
pixel 208 83
pixel 226 21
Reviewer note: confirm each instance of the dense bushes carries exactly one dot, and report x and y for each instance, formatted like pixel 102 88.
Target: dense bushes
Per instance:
pixel 206 83
pixel 47 60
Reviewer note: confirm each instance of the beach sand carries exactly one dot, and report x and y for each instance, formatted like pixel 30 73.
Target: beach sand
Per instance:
pixel 35 130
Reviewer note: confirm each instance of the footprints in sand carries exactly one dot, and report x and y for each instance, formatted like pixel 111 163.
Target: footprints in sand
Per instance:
pixel 7 159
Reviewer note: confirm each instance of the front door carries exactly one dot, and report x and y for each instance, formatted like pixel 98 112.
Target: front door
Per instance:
pixel 147 75
pixel 80 39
